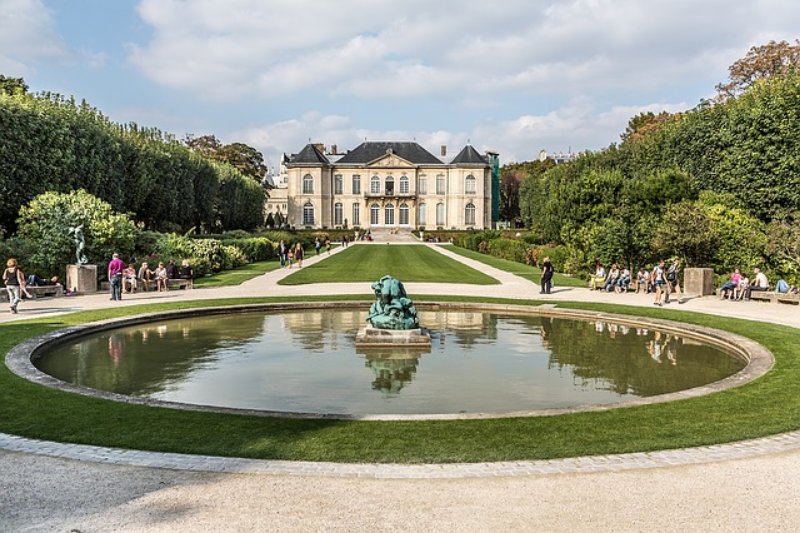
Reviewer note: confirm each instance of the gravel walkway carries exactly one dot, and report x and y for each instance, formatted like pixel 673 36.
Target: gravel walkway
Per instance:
pixel 758 492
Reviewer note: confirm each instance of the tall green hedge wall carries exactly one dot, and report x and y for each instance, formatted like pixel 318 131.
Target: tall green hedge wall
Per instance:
pixel 51 143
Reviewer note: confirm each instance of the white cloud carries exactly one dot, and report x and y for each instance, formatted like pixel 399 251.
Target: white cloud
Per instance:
pixel 27 34
pixel 578 125
pixel 381 49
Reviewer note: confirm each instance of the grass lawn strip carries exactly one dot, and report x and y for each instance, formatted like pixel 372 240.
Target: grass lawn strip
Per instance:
pixel 765 406
pixel 518 269
pixel 237 276
pixel 369 262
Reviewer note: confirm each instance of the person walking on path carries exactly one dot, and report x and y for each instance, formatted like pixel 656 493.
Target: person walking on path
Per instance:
pixel 660 282
pixel 328 246
pixel 298 254
pixel 547 276
pixel 283 253
pixel 115 268
pixel 317 245
pixel 14 280
pixel 672 279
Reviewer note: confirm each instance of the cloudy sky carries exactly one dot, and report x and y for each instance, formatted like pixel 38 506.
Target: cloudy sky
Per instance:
pixel 515 76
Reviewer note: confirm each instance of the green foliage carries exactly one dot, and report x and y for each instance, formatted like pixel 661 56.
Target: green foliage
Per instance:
pixel 510 249
pixel 44 227
pixel 686 231
pixel 558 254
pixel 51 143
pixel 254 248
pixel 783 246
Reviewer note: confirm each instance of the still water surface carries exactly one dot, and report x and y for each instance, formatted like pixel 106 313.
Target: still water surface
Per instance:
pixel 306 361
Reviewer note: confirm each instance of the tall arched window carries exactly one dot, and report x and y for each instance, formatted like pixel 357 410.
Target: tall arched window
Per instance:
pixel 422 215
pixel 308 214
pixel 374 214
pixel 441 184
pixel 440 214
pixel 389 186
pixel 338 214
pixel 469 214
pixel 422 186
pixel 403 184
pixel 389 219
pixel 375 185
pixel 338 184
pixel 308 184
pixel 403 215
pixel 356 214
pixel 469 185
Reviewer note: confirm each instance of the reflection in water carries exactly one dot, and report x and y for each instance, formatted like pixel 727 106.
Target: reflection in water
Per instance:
pixel 393 368
pixel 307 361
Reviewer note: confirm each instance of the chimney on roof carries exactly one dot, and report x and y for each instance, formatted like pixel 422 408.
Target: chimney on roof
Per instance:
pixel 320 147
pixel 444 150
pixel 333 150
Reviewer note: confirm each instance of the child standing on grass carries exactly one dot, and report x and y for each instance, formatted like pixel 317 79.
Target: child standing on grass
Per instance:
pixel 291 257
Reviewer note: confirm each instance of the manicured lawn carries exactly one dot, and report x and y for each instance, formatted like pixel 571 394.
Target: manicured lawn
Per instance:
pixel 765 406
pixel 237 276
pixel 518 269
pixel 406 262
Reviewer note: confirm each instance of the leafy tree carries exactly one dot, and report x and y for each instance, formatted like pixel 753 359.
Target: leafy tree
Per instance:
pixel 643 124
pixel 244 158
pixel 686 231
pixel 44 227
pixel 783 246
pixel 771 59
pixel 13 86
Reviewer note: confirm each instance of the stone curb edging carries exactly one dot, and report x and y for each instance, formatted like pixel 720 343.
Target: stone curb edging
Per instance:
pixel 784 442
pixel 759 360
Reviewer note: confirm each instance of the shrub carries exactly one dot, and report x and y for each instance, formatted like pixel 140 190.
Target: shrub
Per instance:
pixel 44 227
pixel 559 256
pixel 254 248
pixel 510 249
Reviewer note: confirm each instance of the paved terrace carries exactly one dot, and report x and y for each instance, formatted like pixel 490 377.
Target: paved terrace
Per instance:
pixel 742 486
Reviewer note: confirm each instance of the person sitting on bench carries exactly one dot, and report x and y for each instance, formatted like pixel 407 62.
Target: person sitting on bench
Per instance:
pixel 760 283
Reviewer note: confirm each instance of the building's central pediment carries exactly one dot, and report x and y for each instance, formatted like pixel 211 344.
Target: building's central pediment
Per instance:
pixel 390 161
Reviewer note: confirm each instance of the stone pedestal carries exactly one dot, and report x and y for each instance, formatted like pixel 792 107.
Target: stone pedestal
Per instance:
pixel 82 279
pixel 698 281
pixel 369 336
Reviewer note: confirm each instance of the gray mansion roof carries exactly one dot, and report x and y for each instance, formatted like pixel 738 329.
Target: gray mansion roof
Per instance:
pixel 309 155
pixel 469 156
pixel 370 151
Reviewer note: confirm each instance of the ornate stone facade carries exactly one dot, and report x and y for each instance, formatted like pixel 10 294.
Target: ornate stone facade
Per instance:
pixel 395 185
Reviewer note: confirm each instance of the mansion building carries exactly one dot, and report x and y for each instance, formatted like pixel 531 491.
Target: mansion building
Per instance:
pixel 394 185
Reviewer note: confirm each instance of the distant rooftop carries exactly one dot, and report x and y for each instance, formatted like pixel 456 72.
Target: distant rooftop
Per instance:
pixel 370 151
pixel 469 156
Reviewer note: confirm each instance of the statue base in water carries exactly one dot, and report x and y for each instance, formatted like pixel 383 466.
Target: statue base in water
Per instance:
pixel 369 336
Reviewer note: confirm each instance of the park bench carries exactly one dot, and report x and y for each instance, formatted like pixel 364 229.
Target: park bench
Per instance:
pixel 37 292
pixel 772 297
pixel 153 286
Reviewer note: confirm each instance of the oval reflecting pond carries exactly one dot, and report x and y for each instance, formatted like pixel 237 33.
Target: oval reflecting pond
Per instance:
pixel 306 361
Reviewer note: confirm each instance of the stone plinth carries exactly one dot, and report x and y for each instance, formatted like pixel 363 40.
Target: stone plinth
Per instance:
pixel 369 336
pixel 698 281
pixel 82 279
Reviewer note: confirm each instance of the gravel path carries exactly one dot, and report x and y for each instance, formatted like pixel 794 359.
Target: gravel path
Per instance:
pixel 39 493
